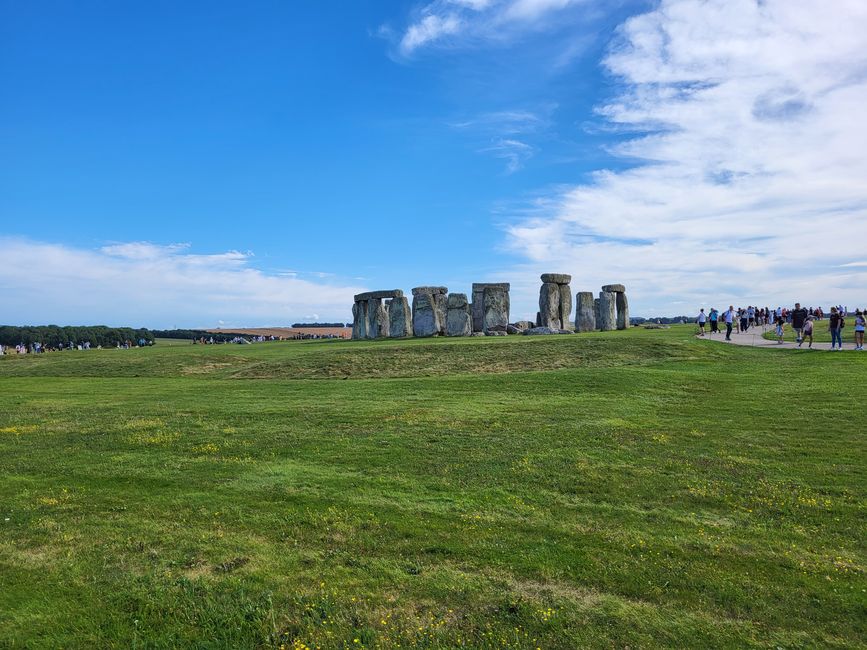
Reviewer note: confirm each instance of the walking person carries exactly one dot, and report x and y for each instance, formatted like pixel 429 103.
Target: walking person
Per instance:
pixel 779 329
pixel 744 319
pixel 799 317
pixel 729 317
pixel 860 322
pixel 702 319
pixel 808 331
pixel 713 317
pixel 835 326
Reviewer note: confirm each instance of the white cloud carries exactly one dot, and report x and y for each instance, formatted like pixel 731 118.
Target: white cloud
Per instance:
pixel 514 152
pixel 749 122
pixel 144 284
pixel 474 20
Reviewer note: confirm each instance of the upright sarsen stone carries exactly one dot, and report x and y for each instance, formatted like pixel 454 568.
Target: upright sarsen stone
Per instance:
pixel 459 321
pixel 359 323
pixel 607 311
pixel 622 311
pixel 565 306
pixel 585 312
pixel 425 316
pixel 549 305
pixel 496 304
pixel 377 319
pixel 399 318
pixel 440 301
pixel 478 303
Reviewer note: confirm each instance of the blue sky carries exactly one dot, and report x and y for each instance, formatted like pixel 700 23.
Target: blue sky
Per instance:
pixel 195 164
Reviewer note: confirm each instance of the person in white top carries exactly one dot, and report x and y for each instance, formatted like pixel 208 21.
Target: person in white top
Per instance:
pixel 702 319
pixel 860 323
pixel 729 317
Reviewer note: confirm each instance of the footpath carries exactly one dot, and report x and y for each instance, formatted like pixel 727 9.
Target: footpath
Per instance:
pixel 753 338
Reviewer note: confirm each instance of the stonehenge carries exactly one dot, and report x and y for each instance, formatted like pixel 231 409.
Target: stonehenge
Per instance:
pixel 555 301
pixel 436 312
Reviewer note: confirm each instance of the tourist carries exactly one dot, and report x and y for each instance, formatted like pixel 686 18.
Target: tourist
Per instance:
pixel 779 324
pixel 744 320
pixel 729 317
pixel 713 317
pixel 702 319
pixel 835 326
pixel 808 331
pixel 860 322
pixel 799 317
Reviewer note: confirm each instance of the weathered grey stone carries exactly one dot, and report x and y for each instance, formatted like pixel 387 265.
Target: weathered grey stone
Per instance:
pixel 585 312
pixel 607 311
pixel 477 334
pixel 417 291
pixel 459 321
pixel 399 318
pixel 549 305
pixel 359 320
pixel 536 331
pixel 441 304
pixel 458 301
pixel 496 302
pixel 565 306
pixel 377 319
pixel 596 312
pixel 478 305
pixel 567 331
pixel 511 329
pixel 495 333
pixel 524 324
pixel 622 311
pixel 425 316
pixel 386 293
pixel 613 288
pixel 557 278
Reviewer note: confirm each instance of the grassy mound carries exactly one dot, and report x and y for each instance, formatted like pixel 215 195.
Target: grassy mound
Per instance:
pixel 637 488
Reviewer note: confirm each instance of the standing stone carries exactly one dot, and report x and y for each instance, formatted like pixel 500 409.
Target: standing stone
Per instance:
pixel 565 306
pixel 607 313
pixel 478 305
pixel 622 311
pixel 549 305
pixel 359 325
pixel 585 312
pixel 496 303
pixel 596 312
pixel 425 317
pixel 377 319
pixel 459 321
pixel 440 301
pixel 399 318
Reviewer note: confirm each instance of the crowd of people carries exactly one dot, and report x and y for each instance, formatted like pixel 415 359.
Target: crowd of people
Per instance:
pixel 800 319
pixel 41 348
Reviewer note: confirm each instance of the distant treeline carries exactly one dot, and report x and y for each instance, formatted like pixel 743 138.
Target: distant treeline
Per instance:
pixel 55 336
pixel 321 325
pixel 190 335
pixel 666 320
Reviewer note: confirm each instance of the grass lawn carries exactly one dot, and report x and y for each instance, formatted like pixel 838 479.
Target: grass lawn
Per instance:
pixel 820 333
pixel 639 488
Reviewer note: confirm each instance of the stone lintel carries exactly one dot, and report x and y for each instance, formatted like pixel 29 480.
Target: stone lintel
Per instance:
pixel 385 293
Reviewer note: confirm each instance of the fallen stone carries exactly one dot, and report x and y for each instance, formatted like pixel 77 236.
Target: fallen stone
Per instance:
pixel 549 305
pixel 399 318
pixel 524 324
pixel 613 288
pixel 655 326
pixel 495 333
pixel 511 329
pixel 386 293
pixel 557 278
pixel 536 331
pixel 585 312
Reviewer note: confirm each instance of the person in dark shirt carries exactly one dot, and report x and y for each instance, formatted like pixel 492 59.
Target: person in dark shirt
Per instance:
pixel 799 317
pixel 835 326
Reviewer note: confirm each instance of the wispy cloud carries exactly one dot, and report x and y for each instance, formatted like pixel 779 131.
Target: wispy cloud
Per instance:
pixel 458 22
pixel 514 152
pixel 141 283
pixel 750 136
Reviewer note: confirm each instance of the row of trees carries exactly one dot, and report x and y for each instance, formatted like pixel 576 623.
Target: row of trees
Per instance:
pixel 321 324
pixel 54 336
pixel 190 335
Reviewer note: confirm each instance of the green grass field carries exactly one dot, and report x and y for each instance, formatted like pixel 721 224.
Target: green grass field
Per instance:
pixel 639 488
